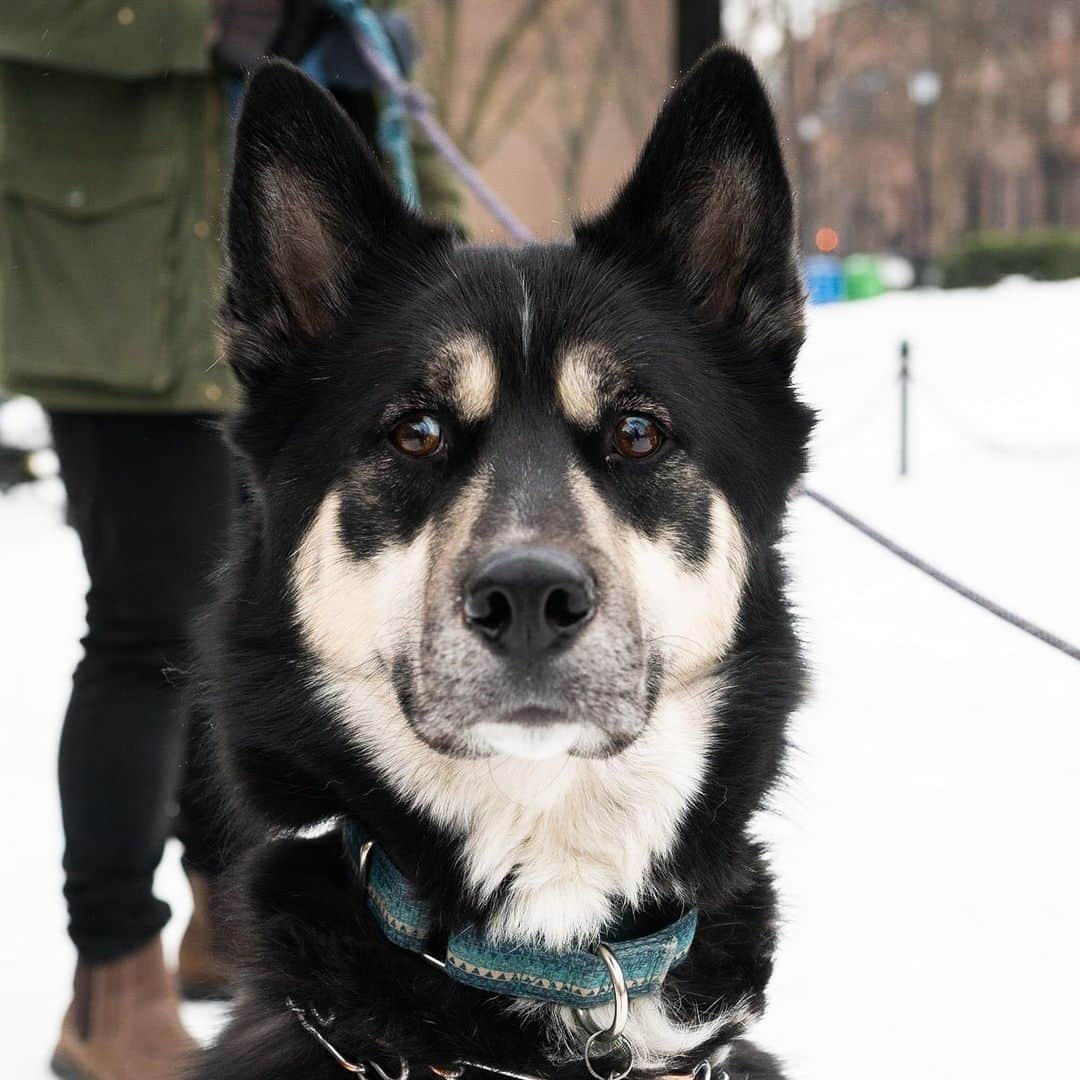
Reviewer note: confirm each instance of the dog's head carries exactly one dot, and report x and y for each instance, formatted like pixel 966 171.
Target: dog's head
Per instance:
pixel 518 494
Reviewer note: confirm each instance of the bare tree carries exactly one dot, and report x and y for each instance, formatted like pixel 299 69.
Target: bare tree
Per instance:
pixel 576 58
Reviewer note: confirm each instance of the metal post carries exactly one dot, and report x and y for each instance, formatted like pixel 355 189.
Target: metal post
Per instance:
pixel 905 382
pixel 697 27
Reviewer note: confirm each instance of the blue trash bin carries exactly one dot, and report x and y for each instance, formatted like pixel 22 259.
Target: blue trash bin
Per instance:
pixel 824 279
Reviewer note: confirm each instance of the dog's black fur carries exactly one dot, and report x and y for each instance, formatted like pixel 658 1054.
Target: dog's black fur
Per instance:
pixel 692 273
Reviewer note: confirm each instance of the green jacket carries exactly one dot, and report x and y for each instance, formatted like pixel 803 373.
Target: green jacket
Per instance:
pixel 112 146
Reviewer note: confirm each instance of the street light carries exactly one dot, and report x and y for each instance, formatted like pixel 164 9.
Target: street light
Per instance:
pixel 809 128
pixel 924 89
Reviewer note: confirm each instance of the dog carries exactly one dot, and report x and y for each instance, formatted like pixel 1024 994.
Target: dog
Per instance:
pixel 502 661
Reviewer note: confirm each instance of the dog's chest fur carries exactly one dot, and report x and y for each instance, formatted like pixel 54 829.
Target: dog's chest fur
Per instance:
pixel 560 845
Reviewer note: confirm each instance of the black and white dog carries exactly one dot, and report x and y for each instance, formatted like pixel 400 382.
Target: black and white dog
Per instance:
pixel 506 606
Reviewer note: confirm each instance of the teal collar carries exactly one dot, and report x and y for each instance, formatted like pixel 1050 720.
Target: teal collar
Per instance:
pixel 576 978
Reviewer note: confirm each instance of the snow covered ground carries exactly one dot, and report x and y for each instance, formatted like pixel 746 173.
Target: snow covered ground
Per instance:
pixel 926 841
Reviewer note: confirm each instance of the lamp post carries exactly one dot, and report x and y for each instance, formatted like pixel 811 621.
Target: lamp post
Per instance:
pixel 924 89
pixel 809 129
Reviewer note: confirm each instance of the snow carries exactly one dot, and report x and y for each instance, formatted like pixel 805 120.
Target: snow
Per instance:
pixel 925 841
pixel 926 845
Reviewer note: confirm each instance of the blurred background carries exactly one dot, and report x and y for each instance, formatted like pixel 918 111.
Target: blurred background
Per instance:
pixel 942 132
pixel 925 839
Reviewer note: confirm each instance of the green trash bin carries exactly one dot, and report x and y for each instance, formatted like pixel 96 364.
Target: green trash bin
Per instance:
pixel 862 278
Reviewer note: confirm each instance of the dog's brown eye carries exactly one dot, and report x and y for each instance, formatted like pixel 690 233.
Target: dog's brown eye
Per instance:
pixel 418 436
pixel 637 437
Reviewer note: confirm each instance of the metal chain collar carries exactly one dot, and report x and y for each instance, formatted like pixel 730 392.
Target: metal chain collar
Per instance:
pixel 315 1024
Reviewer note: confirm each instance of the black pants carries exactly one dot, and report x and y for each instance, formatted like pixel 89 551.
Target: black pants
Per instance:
pixel 149 497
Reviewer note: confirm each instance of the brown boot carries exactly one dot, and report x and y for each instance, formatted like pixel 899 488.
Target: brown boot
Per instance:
pixel 124 1022
pixel 202 970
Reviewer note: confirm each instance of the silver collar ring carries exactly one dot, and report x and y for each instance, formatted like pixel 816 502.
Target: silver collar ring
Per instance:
pixel 621 1000
pixel 363 857
pixel 608 1046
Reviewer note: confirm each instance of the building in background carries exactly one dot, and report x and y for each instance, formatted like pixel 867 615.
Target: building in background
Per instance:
pixel 912 123
pixel 909 123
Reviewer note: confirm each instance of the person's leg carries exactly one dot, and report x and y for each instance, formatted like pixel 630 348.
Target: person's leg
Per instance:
pixel 149 497
pixel 209 843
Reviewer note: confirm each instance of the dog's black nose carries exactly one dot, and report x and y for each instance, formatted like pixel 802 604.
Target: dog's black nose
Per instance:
pixel 529 600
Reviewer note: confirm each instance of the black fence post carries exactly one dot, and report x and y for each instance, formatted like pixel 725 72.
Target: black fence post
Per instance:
pixel 905 382
pixel 697 27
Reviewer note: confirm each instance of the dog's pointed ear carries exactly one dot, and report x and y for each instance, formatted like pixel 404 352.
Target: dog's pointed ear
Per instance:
pixel 709 200
pixel 310 211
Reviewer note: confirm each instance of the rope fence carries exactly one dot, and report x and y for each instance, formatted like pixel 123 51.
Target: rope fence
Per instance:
pixel 948 415
pixel 941 577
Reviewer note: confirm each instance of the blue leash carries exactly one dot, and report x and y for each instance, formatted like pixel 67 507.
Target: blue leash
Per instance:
pixel 393 128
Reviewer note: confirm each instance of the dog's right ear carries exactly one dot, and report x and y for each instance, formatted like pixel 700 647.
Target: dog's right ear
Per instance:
pixel 310 213
pixel 709 202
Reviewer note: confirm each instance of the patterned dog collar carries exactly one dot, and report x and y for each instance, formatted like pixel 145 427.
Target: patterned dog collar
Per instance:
pixel 575 977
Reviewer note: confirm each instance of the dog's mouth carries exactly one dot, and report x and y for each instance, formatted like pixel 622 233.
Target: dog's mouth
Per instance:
pixel 533 733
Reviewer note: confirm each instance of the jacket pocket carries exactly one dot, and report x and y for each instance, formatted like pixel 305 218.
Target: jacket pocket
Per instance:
pixel 90 252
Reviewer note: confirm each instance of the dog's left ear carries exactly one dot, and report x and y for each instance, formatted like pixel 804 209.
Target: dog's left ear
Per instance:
pixel 709 200
pixel 312 216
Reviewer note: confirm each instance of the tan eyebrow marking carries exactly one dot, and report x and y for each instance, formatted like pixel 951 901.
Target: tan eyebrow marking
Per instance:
pixel 586 376
pixel 464 371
